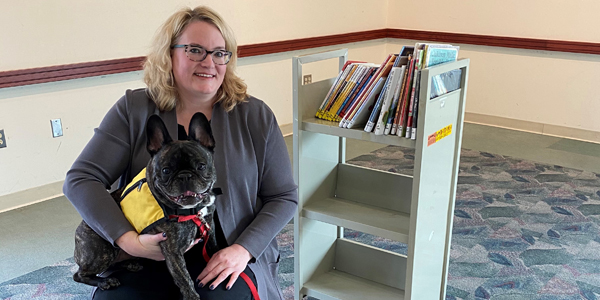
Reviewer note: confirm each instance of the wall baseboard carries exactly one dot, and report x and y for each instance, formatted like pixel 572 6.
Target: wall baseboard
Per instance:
pixel 534 127
pixel 54 190
pixel 34 195
pixel 287 129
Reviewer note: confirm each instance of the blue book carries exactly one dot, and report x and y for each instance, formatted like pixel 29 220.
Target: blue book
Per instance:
pixel 375 112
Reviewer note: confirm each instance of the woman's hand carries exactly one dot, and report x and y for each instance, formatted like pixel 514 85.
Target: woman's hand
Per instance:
pixel 142 245
pixel 229 261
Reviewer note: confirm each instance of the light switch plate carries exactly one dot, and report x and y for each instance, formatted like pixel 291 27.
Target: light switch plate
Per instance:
pixel 56 128
pixel 2 139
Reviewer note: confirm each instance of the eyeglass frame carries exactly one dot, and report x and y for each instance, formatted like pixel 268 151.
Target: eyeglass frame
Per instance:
pixel 205 50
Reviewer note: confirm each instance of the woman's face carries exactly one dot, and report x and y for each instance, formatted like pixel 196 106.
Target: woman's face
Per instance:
pixel 195 79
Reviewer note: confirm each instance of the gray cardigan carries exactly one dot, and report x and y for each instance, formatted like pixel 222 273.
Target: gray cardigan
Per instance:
pixel 253 171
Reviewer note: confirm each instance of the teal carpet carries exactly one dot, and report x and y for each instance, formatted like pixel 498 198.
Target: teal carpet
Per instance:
pixel 522 230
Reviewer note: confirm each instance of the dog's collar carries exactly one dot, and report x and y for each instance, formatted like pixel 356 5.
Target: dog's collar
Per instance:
pixel 200 222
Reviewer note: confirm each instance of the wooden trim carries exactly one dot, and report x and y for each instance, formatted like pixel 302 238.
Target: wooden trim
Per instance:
pixel 314 42
pixel 497 41
pixel 83 70
pixel 71 71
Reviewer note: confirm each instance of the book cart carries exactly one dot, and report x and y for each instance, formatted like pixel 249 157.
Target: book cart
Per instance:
pixel 416 210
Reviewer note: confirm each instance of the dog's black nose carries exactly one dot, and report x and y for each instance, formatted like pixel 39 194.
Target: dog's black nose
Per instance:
pixel 185 175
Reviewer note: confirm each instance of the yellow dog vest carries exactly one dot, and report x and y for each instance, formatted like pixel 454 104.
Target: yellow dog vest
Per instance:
pixel 139 205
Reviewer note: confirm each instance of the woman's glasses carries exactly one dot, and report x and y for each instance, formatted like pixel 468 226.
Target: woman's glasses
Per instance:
pixel 197 53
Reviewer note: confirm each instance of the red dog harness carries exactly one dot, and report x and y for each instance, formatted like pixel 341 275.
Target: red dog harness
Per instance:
pixel 204 228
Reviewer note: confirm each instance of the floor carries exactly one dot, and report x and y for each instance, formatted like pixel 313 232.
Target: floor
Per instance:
pixel 41 234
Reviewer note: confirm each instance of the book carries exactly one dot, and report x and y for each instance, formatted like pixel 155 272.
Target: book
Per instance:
pixel 445 83
pixel 415 88
pixel 362 114
pixel 440 53
pixel 413 134
pixel 403 108
pixel 399 105
pixel 384 69
pixel 393 79
pixel 358 89
pixel 324 103
pixel 335 101
pixel 406 50
pixel 354 76
pixel 395 98
pixel 340 80
pixel 377 107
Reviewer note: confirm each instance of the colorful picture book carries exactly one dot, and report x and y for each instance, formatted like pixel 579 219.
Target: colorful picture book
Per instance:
pixel 384 98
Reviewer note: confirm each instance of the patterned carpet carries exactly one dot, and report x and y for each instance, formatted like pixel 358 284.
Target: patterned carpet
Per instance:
pixel 522 230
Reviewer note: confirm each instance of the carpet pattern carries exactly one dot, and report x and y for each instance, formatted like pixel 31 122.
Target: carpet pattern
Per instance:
pixel 522 230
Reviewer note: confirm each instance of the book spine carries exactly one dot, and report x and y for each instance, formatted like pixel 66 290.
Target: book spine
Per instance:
pixel 336 92
pixel 405 98
pixel 412 95
pixel 387 101
pixel 396 97
pixel 370 86
pixel 363 109
pixel 349 84
pixel 341 93
pixel 413 134
pixel 348 97
pixel 324 103
pixel 358 91
pixel 400 103
pixel 376 109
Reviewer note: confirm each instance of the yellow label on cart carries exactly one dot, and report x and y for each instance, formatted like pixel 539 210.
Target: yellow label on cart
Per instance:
pixel 438 135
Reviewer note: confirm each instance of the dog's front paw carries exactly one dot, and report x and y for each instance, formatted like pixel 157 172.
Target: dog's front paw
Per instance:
pixel 108 283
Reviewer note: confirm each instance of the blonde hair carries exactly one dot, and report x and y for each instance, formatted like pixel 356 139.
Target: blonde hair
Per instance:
pixel 158 68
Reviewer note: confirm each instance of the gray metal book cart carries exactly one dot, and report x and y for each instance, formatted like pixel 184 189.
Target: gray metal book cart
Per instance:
pixel 416 210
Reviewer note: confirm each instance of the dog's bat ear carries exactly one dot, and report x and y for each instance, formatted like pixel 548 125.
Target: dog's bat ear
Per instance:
pixel 156 134
pixel 200 131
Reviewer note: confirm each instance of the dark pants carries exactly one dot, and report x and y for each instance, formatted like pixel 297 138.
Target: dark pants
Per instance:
pixel 155 282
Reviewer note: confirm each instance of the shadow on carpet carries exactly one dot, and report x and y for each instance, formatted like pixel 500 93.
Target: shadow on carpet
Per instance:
pixel 522 230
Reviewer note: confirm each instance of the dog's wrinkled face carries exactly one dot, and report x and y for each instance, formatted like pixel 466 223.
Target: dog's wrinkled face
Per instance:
pixel 181 174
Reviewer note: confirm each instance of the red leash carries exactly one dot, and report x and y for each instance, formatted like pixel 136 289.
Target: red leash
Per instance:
pixel 204 228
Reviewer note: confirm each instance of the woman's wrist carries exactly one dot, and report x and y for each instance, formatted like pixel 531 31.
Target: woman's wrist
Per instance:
pixel 126 240
pixel 242 249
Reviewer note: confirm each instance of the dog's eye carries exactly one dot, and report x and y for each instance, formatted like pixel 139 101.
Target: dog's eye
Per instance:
pixel 202 167
pixel 166 171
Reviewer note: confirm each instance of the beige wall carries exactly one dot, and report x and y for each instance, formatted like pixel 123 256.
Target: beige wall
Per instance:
pixel 532 86
pixel 546 92
pixel 543 19
pixel 33 158
pixel 37 33
pixel 43 33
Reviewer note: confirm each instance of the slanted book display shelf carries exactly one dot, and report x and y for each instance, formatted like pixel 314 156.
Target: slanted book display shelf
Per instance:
pixel 416 210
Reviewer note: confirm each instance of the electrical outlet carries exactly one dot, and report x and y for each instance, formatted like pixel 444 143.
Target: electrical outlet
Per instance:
pixel 56 128
pixel 307 79
pixel 2 139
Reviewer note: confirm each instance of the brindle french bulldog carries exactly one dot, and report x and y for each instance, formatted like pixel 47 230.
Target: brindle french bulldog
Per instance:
pixel 180 175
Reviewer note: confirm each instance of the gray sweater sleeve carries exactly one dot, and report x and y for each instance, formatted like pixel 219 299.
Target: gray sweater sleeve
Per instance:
pixel 101 162
pixel 277 191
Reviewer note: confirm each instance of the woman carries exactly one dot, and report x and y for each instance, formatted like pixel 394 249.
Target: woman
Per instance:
pixel 191 69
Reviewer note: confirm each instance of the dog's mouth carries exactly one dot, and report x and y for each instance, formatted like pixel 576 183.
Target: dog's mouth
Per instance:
pixel 187 194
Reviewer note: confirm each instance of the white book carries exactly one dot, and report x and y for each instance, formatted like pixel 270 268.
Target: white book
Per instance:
pixel 393 78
